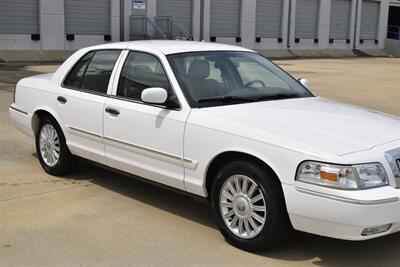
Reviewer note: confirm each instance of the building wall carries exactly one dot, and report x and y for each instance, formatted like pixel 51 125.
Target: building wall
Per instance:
pixel 52 30
pixel 248 25
pixel 52 27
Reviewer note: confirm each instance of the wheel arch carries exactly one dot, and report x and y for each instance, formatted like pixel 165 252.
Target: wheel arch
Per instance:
pixel 39 113
pixel 224 157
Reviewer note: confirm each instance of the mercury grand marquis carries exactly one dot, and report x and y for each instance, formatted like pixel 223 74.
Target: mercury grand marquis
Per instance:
pixel 226 124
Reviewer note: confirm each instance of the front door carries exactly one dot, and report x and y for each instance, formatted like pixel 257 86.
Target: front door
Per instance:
pixel 145 140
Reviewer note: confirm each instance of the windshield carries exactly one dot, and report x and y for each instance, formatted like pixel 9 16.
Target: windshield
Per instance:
pixel 220 77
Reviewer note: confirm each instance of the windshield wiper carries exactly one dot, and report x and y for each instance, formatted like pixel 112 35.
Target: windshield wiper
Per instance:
pixel 277 96
pixel 226 99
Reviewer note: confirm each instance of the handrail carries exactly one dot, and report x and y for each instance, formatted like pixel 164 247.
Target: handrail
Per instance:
pixel 157 28
pixel 146 21
pixel 183 30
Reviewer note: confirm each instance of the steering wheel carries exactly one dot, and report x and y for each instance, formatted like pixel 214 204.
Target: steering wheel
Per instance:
pixel 249 84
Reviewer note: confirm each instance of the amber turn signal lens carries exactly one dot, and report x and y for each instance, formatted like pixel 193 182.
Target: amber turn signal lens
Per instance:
pixel 328 176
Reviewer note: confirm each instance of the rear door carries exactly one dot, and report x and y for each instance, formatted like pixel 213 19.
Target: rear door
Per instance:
pixel 143 139
pixel 80 103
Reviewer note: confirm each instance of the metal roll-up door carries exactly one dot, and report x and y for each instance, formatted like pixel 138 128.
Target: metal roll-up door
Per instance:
pixel 87 17
pixel 369 20
pixel 19 16
pixel 307 16
pixel 225 18
pixel 269 18
pixel 180 12
pixel 340 19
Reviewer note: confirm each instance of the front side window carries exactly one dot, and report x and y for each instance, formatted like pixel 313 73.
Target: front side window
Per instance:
pixel 227 77
pixel 141 71
pixel 93 71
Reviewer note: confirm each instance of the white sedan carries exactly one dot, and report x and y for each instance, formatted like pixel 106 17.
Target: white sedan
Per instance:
pixel 224 123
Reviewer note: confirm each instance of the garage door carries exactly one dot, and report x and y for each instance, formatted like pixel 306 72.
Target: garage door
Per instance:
pixel 269 18
pixel 87 16
pixel 307 13
pixel 225 18
pixel 179 10
pixel 19 16
pixel 340 19
pixel 369 20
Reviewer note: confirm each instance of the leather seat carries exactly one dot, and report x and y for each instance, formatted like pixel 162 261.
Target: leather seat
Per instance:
pixel 198 82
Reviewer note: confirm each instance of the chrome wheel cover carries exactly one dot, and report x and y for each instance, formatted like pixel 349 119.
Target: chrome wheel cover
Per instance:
pixel 242 206
pixel 49 144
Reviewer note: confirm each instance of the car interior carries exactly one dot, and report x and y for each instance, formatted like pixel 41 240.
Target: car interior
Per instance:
pixel 140 73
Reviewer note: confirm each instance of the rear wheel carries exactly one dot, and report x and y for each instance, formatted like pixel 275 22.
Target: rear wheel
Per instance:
pixel 51 148
pixel 248 205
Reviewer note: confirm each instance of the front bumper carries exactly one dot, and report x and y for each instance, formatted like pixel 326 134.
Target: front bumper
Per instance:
pixel 342 214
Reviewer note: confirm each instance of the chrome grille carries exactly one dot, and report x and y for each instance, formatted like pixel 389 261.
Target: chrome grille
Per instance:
pixel 393 157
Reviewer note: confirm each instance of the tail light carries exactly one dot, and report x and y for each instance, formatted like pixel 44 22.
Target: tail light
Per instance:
pixel 15 92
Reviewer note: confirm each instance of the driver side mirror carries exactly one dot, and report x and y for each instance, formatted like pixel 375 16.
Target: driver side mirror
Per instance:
pixel 154 95
pixel 304 82
pixel 159 96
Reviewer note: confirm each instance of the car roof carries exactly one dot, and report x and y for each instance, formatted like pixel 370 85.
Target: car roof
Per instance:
pixel 168 47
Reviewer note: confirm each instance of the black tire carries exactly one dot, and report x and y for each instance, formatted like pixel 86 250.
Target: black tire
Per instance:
pixel 66 160
pixel 277 225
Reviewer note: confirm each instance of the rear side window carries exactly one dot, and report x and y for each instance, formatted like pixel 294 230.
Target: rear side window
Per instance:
pixel 92 72
pixel 139 72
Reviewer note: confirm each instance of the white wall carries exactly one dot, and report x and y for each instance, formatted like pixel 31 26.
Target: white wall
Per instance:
pixel 288 33
pixel 52 34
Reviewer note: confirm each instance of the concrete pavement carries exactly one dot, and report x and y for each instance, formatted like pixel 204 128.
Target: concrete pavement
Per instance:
pixel 98 218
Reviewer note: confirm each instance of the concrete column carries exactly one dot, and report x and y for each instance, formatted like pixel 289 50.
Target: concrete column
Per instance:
pixel 292 23
pixel 52 24
pixel 248 22
pixel 358 24
pixel 115 20
pixel 127 14
pixel 353 22
pixel 383 22
pixel 151 13
pixel 285 23
pixel 206 21
pixel 196 19
pixel 151 8
pixel 324 23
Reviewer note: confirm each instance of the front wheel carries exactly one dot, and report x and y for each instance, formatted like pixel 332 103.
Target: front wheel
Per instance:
pixel 51 148
pixel 248 205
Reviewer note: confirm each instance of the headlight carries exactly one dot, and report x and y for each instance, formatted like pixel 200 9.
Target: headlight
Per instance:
pixel 341 176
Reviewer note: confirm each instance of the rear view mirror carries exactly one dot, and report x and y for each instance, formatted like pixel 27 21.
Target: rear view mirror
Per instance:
pixel 304 82
pixel 154 95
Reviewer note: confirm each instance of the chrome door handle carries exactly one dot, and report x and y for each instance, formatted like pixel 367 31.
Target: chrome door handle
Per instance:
pixel 62 99
pixel 112 111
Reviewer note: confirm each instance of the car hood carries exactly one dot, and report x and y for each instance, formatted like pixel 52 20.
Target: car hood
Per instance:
pixel 322 123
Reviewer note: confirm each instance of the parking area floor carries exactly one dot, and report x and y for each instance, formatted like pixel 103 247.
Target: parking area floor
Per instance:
pixel 98 218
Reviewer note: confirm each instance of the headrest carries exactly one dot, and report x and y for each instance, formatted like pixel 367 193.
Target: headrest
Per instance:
pixel 137 71
pixel 141 69
pixel 199 69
